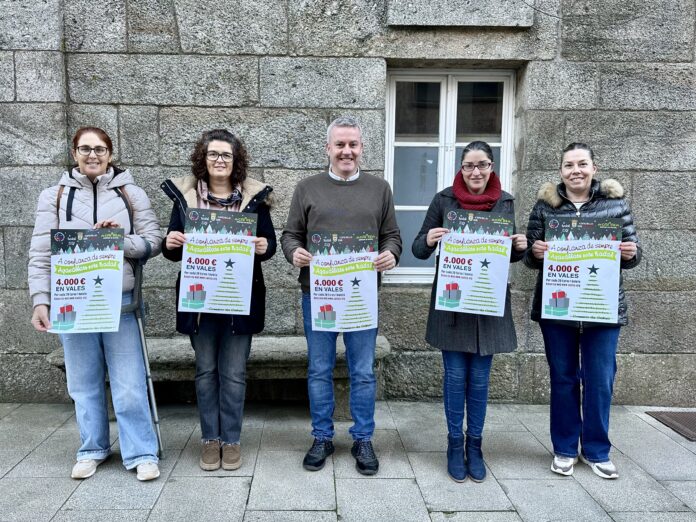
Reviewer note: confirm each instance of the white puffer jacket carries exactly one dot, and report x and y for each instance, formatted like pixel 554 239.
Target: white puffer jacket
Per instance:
pixel 91 203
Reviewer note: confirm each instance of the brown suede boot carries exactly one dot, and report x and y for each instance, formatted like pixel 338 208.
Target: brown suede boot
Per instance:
pixel 231 456
pixel 210 455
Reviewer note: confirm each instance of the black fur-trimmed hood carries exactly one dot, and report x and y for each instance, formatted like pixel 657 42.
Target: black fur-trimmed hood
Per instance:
pixel 553 194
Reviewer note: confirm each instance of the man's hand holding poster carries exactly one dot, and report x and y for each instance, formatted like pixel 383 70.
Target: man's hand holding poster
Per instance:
pixel 343 281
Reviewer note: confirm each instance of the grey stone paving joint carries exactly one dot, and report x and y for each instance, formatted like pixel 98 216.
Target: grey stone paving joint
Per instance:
pixel 38 443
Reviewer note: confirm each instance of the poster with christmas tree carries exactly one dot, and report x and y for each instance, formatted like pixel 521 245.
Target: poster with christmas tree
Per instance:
pixel 331 243
pixel 217 265
pixel 473 267
pixel 580 278
pixel 86 280
pixel 343 290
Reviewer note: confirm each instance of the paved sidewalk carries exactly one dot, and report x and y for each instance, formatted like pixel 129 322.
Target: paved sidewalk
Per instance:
pixel 38 443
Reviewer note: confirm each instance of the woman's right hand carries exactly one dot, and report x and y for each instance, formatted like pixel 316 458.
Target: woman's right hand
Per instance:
pixel 538 249
pixel 435 235
pixel 174 240
pixel 39 319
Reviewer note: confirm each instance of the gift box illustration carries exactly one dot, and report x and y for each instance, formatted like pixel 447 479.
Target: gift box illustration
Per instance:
pixel 558 304
pixel 451 296
pixel 326 318
pixel 65 319
pixel 195 297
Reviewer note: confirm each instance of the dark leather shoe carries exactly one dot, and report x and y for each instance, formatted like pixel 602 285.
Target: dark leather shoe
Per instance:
pixel 365 459
pixel 316 456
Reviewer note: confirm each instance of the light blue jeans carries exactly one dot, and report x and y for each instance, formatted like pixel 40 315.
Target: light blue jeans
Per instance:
pixel 87 358
pixel 360 356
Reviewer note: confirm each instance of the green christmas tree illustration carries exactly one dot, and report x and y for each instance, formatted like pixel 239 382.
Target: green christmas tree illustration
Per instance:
pixel 97 316
pixel 481 297
pixel 356 314
pixel 592 304
pixel 227 297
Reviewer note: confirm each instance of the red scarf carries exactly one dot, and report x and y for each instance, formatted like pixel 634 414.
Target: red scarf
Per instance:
pixel 469 201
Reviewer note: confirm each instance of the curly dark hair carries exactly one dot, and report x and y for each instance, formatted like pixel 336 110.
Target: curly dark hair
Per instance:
pixel 199 166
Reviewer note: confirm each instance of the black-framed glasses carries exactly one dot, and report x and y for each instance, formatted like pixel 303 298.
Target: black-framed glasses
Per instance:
pixel 481 165
pixel 85 150
pixel 213 155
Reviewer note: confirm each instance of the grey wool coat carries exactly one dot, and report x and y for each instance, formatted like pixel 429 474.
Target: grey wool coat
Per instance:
pixel 454 331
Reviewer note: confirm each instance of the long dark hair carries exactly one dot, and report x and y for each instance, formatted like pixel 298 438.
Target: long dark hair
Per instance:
pixel 199 166
pixel 477 145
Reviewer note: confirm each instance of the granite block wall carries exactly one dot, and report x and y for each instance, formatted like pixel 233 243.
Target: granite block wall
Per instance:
pixel 618 74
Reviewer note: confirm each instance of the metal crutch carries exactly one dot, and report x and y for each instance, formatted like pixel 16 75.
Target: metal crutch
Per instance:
pixel 137 306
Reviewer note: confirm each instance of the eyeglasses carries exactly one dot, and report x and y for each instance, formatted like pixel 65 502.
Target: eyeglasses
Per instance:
pixel 212 155
pixel 84 150
pixel 481 165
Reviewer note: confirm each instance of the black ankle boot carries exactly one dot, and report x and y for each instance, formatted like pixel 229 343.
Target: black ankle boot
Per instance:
pixel 474 459
pixel 456 467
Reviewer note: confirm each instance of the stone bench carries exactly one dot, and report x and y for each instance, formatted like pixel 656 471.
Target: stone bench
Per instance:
pixel 271 358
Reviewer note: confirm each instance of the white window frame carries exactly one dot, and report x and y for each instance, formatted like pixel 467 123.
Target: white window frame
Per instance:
pixel 447 145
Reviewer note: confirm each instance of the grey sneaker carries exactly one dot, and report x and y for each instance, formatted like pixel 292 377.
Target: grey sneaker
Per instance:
pixel 563 465
pixel 85 468
pixel 147 471
pixel 210 455
pixel 606 469
pixel 231 456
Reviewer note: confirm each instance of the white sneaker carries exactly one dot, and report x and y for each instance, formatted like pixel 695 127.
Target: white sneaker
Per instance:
pixel 563 465
pixel 605 469
pixel 148 471
pixel 85 468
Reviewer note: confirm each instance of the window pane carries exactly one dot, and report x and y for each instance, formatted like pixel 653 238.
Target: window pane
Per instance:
pixel 479 110
pixel 458 159
pixel 410 222
pixel 417 111
pixel 415 175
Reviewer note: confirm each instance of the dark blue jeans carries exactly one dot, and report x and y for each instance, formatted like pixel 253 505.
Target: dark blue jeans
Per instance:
pixel 220 378
pixel 321 355
pixel 465 381
pixel 581 362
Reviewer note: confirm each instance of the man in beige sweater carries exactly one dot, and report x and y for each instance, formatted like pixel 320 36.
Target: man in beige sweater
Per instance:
pixel 341 200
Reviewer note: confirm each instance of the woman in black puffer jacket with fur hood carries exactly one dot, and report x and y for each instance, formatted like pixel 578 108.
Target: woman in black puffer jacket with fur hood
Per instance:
pixel 580 353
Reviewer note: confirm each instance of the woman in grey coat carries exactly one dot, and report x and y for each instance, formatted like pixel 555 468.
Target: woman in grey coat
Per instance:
pixel 468 341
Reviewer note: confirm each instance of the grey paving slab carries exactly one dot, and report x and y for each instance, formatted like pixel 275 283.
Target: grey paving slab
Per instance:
pixel 653 517
pixel 545 500
pixel 684 490
pixel 380 499
pixel 33 498
pixel 102 515
pixel 421 425
pixel 113 487
pixel 441 493
pixel 478 516
pixel 290 516
pixel 512 455
pixel 22 437
pixel 634 490
pixel 393 461
pixel 280 483
pixel 7 407
pixel 176 431
pixel 284 416
pixel 39 415
pixel 9 458
pixel 202 498
pixel 657 454
pixel 275 438
pixel 187 465
pixel 676 437
pixel 54 457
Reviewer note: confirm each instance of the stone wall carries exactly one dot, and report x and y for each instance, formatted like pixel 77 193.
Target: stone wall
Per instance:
pixel 155 73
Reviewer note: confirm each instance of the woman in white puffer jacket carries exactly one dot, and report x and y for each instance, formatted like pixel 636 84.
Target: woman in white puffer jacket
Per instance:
pixel 95 194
